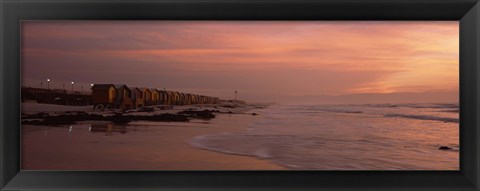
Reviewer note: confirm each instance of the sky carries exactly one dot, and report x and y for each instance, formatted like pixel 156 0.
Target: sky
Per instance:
pixel 265 61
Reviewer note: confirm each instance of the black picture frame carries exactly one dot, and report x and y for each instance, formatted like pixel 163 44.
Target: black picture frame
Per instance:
pixel 14 11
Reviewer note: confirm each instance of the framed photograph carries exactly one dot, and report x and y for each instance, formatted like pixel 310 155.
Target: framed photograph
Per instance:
pixel 197 95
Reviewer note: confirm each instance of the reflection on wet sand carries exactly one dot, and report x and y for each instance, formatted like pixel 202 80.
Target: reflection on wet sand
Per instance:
pixel 141 145
pixel 109 129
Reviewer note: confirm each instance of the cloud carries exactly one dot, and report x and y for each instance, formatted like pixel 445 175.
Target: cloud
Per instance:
pixel 312 57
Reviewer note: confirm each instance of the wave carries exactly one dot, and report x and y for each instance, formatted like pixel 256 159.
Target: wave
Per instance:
pixel 451 111
pixel 383 105
pixel 222 143
pixel 424 117
pixel 437 105
pixel 342 111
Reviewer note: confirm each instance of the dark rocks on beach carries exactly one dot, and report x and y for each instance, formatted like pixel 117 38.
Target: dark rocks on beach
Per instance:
pixel 444 148
pixel 118 118
pixel 254 114
pixel 147 109
pixel 35 116
pixel 205 114
pixel 50 122
pixel 167 117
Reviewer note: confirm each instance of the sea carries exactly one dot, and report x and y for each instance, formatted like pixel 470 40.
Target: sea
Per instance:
pixel 348 137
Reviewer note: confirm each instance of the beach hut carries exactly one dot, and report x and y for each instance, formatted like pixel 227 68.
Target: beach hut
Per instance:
pixel 193 99
pixel 176 98
pixel 163 97
pixel 147 96
pixel 124 97
pixel 197 99
pixel 171 98
pixel 180 98
pixel 103 95
pixel 183 98
pixel 189 99
pixel 155 96
pixel 137 97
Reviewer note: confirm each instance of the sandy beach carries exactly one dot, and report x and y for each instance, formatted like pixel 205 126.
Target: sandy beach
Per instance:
pixel 138 146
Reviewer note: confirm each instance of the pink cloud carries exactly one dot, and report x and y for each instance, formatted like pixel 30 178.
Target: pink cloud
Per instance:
pixel 399 56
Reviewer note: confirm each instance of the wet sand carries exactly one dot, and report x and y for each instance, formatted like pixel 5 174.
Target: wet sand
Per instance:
pixel 138 146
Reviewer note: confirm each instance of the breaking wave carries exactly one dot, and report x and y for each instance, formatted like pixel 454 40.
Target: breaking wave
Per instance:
pixel 424 117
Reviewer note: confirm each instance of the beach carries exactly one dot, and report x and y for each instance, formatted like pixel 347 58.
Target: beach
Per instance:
pixel 140 145
pixel 248 137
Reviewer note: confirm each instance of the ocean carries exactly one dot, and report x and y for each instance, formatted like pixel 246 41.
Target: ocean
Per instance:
pixel 348 137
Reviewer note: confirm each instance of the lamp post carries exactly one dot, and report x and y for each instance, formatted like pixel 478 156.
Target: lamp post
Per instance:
pixel 72 86
pixel 48 86
pixel 235 98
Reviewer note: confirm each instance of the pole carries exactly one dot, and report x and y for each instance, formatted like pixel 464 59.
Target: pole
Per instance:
pixel 235 98
pixel 72 88
pixel 48 88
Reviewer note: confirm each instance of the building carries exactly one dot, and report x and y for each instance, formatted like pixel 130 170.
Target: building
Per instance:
pixel 164 100
pixel 124 97
pixel 147 96
pixel 183 99
pixel 103 95
pixel 137 97
pixel 121 96
pixel 189 99
pixel 155 99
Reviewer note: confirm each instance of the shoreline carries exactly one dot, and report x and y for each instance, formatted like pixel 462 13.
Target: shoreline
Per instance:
pixel 54 115
pixel 93 151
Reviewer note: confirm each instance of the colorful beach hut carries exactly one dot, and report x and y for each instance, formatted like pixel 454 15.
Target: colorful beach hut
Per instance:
pixel 124 97
pixel 147 96
pixel 155 96
pixel 137 97
pixel 103 95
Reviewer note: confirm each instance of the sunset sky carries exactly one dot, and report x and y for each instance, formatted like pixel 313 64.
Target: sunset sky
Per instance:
pixel 263 60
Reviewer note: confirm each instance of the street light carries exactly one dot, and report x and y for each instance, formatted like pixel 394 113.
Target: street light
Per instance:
pixel 72 86
pixel 48 83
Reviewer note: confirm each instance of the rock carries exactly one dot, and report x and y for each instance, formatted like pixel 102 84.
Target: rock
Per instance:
pixel 254 114
pixel 444 148
pixel 205 114
pixel 119 119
